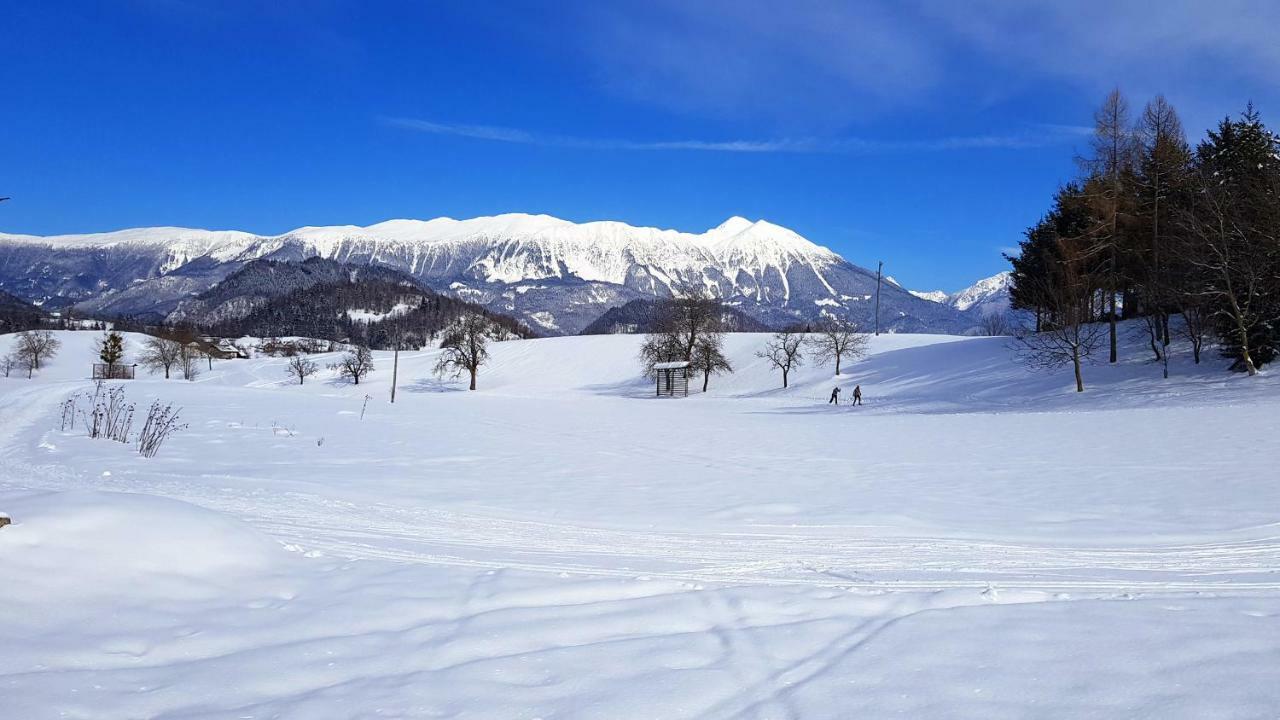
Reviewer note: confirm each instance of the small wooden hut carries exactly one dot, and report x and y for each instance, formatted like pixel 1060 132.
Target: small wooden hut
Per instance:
pixel 672 378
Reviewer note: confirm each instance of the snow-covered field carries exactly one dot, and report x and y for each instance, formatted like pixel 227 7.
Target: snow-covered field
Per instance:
pixel 974 542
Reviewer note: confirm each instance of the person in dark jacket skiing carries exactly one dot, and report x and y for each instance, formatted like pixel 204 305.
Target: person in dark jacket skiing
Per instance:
pixel 857 394
pixel 835 396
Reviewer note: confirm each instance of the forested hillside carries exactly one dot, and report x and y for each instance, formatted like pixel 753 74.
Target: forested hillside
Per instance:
pixel 372 312
pixel 17 314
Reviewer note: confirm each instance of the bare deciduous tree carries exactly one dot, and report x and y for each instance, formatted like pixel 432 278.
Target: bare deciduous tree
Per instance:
pixel 690 329
pixel 1072 336
pixel 1195 326
pixel 1237 270
pixel 34 346
pixel 301 367
pixel 837 339
pixel 189 360
pixel 677 324
pixel 708 357
pixel 355 364
pixel 160 353
pixel 464 347
pixel 995 324
pixel 784 352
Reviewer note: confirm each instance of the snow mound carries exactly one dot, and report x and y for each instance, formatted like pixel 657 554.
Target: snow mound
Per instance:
pixel 107 540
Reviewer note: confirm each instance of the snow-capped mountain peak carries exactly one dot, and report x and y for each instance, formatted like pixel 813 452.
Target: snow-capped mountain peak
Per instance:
pixel 989 294
pixel 732 226
pixel 938 296
pixel 985 297
pixel 556 274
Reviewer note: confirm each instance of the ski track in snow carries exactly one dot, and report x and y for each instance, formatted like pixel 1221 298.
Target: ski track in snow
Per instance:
pixel 442 537
pixel 443 611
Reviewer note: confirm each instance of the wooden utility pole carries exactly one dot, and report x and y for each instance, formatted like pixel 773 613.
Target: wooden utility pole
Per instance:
pixel 879 269
pixel 395 365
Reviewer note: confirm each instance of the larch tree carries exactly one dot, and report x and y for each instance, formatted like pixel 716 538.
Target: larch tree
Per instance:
pixel 1110 168
pixel 1162 173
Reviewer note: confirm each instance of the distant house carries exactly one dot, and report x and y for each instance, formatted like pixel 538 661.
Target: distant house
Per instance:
pixel 220 348
pixel 672 378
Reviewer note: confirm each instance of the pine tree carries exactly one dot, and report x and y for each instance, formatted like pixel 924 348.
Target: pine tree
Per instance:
pixel 110 349
pixel 1235 236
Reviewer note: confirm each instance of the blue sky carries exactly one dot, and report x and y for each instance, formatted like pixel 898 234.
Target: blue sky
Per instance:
pixel 926 134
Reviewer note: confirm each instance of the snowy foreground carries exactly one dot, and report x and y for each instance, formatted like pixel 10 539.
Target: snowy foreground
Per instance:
pixel 974 542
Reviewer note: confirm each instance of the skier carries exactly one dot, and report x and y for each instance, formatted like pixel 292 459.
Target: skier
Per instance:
pixel 857 394
pixel 835 396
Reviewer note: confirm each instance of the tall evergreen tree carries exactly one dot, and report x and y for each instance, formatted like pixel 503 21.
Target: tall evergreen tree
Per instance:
pixel 1235 236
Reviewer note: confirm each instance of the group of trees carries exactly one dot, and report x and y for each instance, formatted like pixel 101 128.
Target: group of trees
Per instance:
pixel 687 329
pixel 832 339
pixel 464 348
pixel 691 329
pixel 160 353
pixel 1186 239
pixel 170 351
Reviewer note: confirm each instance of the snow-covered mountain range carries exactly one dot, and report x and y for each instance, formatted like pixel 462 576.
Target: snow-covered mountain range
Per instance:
pixel 556 275
pixel 988 296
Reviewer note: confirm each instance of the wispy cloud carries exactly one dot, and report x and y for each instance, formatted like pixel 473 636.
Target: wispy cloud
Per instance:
pixel 821 65
pixel 1044 135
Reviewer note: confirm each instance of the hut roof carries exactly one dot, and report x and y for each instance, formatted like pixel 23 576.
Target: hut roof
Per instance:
pixel 671 365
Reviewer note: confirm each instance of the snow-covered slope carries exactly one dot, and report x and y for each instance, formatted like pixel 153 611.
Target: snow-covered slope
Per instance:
pixel 975 542
pixel 555 274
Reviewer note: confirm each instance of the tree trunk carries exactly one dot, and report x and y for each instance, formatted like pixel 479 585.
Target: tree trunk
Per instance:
pixel 1075 361
pixel 784 378
pixel 1244 346
pixel 1112 320
pixel 473 379
pixel 706 377
pixel 395 370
